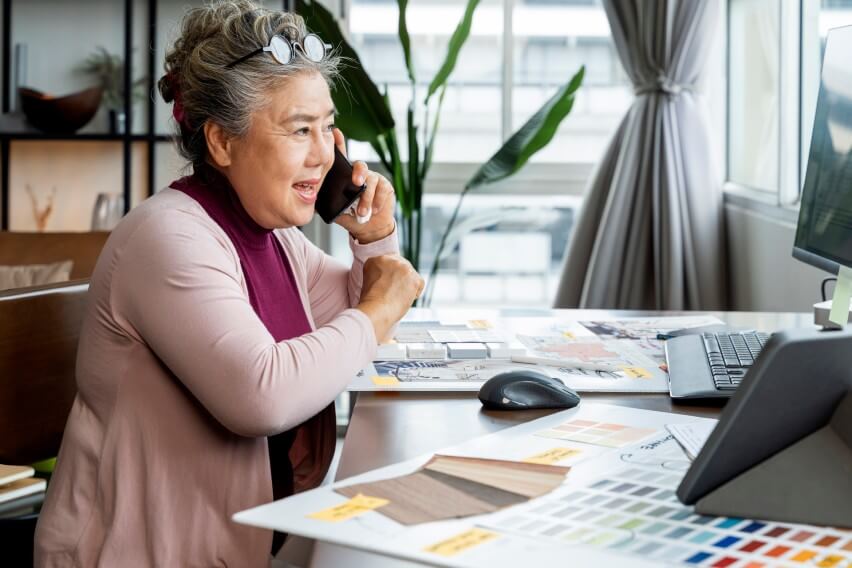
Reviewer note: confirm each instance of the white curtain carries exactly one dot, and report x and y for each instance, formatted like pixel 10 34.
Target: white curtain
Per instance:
pixel 650 234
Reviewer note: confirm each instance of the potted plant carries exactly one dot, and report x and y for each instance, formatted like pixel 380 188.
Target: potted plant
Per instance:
pixel 108 68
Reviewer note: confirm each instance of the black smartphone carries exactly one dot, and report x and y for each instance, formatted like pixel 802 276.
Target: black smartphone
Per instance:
pixel 337 191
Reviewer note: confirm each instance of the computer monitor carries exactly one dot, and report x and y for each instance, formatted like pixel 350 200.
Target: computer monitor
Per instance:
pixel 824 233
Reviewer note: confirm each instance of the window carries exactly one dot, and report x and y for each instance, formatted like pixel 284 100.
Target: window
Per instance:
pixel 774 64
pixel 818 16
pixel 548 41
pixel 552 39
pixel 468 130
pixel 519 53
pixel 754 97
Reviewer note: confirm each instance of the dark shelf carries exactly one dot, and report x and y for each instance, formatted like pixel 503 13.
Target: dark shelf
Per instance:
pixel 13 126
pixel 85 136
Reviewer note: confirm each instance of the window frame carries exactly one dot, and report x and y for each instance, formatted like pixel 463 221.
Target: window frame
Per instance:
pixel 783 202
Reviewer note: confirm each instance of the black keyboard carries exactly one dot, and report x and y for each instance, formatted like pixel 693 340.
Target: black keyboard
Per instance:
pixel 730 354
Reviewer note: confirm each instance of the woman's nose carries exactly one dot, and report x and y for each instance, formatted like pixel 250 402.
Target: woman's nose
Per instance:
pixel 322 151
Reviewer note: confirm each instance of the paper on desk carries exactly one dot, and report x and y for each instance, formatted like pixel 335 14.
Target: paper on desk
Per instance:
pixel 417 331
pixel 691 436
pixel 465 336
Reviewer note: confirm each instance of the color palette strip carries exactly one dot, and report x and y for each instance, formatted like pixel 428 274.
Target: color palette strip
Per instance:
pixel 598 433
pixel 635 512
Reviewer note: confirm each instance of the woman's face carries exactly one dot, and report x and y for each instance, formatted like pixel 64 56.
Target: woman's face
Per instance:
pixel 278 166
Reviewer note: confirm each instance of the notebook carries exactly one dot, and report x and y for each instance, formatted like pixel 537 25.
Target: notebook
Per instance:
pixel 10 473
pixel 21 488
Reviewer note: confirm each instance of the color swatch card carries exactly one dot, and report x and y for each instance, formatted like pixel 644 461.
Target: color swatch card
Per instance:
pixel 633 511
pixel 597 433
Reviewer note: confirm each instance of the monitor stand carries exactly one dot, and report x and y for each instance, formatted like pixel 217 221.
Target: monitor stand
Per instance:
pixel 821 313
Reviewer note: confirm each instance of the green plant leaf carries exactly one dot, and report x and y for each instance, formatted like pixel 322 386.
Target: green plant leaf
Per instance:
pixel 388 139
pixel 362 111
pixel 404 39
pixel 534 135
pixel 530 138
pixel 430 143
pixel 457 40
pixel 413 161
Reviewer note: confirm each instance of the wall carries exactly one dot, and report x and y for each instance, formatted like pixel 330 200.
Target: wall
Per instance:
pixel 764 275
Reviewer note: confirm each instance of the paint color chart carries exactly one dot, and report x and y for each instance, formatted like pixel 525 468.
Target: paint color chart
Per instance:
pixel 634 511
pixel 616 507
pixel 597 433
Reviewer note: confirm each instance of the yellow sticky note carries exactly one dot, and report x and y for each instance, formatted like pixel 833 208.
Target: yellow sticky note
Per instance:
pixel 385 381
pixel 842 293
pixel 461 542
pixel 569 335
pixel 480 324
pixel 552 456
pixel 636 372
pixel 358 505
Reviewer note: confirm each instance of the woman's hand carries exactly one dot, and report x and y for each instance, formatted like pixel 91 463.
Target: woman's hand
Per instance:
pixel 379 196
pixel 390 287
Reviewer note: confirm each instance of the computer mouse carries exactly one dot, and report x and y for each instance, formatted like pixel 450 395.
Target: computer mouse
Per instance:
pixel 525 389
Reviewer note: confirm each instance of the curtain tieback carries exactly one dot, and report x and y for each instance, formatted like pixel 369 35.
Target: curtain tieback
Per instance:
pixel 663 84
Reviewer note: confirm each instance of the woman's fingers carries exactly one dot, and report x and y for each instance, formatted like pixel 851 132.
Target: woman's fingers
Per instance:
pixel 379 192
pixel 360 173
pixel 384 195
pixel 366 204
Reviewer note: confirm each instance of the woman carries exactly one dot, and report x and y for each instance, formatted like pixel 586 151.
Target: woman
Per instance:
pixel 217 336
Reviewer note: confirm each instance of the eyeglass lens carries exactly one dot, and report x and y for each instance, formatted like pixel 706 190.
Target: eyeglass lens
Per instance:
pixel 314 48
pixel 281 50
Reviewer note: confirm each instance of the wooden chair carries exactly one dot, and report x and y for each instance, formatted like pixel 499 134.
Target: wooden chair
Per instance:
pixel 43 248
pixel 39 330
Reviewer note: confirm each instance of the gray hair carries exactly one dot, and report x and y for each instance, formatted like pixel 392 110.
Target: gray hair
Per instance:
pixel 199 81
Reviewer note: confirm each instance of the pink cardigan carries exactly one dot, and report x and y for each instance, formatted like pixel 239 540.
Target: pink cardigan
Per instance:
pixel 179 382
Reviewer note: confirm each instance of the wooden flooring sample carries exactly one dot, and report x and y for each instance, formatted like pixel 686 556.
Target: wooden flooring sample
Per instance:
pixel 450 487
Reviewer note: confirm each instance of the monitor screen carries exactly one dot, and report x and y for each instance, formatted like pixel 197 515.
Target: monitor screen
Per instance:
pixel 824 233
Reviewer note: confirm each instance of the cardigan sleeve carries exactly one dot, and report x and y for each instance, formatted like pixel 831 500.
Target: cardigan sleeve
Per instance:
pixel 334 287
pixel 177 290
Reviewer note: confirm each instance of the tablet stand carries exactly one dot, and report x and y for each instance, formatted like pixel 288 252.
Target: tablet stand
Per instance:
pixel 808 482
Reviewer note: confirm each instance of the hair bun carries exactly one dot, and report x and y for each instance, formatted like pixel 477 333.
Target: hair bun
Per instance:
pixel 166 87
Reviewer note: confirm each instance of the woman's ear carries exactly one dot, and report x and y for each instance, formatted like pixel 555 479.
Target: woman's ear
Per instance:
pixel 218 144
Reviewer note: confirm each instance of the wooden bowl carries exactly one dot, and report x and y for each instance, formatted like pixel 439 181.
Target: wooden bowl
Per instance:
pixel 60 115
